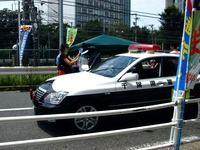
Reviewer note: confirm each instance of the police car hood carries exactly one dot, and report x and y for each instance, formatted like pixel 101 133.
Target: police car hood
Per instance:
pixel 82 83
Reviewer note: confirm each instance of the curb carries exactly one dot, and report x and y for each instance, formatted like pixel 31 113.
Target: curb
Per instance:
pixel 23 88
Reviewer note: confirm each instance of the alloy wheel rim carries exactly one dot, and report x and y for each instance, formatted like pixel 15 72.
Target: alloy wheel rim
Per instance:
pixel 87 123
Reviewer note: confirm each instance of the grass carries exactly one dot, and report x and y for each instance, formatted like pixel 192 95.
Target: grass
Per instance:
pixel 18 80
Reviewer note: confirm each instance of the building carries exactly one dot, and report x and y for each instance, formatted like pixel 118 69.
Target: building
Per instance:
pixel 78 12
pixel 180 4
pixel 169 3
pixel 108 12
pixel 127 8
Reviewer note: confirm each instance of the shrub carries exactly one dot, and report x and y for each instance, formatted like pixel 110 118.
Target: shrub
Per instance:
pixel 17 80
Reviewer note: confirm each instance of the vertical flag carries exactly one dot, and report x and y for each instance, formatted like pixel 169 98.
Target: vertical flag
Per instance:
pixel 25 31
pixel 194 61
pixel 179 87
pixel 71 35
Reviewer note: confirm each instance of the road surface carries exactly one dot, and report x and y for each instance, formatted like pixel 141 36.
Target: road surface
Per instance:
pixel 16 131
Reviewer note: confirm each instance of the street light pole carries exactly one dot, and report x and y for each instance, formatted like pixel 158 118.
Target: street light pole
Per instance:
pixel 60 8
pixel 151 32
pixel 19 35
pixel 135 24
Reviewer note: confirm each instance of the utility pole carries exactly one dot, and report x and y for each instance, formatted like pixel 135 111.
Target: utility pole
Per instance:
pixel 60 8
pixel 26 11
pixel 135 24
pixel 34 22
pixel 151 33
pixel 19 34
pixel 38 20
pixel 155 36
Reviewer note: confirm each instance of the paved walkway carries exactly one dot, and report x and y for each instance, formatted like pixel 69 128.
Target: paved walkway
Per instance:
pixel 190 146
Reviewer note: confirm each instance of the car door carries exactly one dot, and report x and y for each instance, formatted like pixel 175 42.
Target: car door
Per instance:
pixel 169 72
pixel 169 69
pixel 149 89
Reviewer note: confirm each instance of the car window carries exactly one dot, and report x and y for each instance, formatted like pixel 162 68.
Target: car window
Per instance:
pixel 170 66
pixel 148 68
pixel 113 66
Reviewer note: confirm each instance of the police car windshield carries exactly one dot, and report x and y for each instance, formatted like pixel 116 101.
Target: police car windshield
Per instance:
pixel 113 66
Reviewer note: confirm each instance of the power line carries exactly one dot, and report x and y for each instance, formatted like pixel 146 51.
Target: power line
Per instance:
pixel 70 3
pixel 89 6
pixel 73 4
pixel 145 13
pixel 114 3
pixel 147 16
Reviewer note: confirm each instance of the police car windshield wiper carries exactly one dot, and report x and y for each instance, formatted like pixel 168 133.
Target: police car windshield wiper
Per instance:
pixel 99 70
pixel 106 69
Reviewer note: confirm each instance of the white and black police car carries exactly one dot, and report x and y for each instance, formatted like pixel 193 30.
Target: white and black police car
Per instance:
pixel 123 81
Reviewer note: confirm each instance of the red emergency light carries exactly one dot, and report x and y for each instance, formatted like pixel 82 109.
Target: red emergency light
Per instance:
pixel 145 47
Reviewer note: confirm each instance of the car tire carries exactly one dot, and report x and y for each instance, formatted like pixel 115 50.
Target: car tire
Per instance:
pixel 84 125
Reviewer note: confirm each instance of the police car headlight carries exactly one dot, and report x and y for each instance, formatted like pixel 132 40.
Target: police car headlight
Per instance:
pixel 56 97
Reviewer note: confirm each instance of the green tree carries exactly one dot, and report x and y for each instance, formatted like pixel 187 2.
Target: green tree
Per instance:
pixel 8 28
pixel 143 35
pixel 171 25
pixel 93 28
pixel 139 34
pixel 120 30
pixel 82 35
pixel 50 35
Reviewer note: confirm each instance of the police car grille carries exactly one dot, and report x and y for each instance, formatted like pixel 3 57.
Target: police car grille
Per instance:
pixel 39 94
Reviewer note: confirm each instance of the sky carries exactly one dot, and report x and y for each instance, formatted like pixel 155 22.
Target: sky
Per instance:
pixel 147 6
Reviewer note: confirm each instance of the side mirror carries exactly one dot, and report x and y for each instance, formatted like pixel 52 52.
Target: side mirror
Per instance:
pixel 130 76
pixel 85 67
pixel 133 70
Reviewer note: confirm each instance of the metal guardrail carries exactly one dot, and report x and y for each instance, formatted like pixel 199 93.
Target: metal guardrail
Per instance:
pixel 27 70
pixel 81 115
pixel 87 136
pixel 174 123
pixel 87 114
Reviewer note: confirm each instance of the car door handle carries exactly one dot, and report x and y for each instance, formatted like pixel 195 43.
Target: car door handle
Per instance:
pixel 161 83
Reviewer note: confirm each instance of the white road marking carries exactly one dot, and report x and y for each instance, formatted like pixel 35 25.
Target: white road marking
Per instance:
pixel 16 109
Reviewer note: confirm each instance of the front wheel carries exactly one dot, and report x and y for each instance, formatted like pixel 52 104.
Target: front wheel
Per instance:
pixel 86 124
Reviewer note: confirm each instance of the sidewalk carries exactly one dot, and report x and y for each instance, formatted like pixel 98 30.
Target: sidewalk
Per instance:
pixel 189 146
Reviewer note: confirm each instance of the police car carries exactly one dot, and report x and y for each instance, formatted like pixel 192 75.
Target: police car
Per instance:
pixel 123 81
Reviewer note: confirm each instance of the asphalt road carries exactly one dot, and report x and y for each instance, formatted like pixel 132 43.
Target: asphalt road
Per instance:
pixel 16 131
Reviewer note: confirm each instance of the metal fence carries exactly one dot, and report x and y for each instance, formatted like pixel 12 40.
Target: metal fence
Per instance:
pixel 32 57
pixel 52 70
pixel 27 70
pixel 174 123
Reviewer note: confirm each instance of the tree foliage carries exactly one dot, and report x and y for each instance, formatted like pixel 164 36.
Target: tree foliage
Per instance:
pixel 143 35
pixel 8 28
pixel 120 30
pixel 93 28
pixel 50 35
pixel 171 25
pixel 135 33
